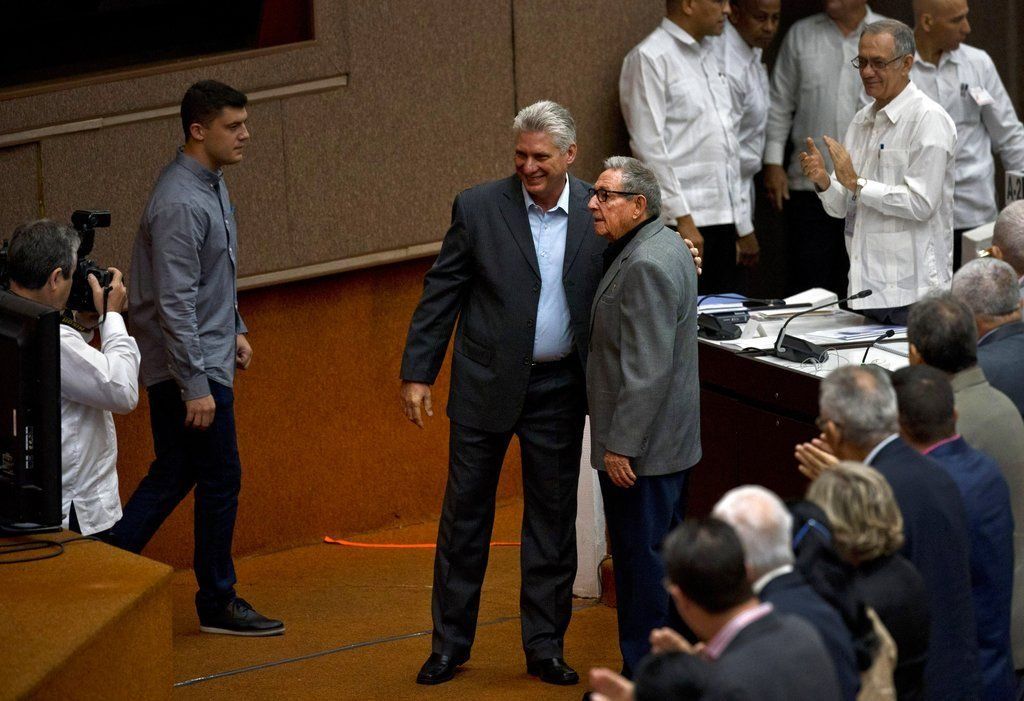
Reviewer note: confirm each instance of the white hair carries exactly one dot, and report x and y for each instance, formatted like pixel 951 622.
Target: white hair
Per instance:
pixel 550 118
pixel 763 524
pixel 1009 235
pixel 861 398
pixel 988 287
pixel 636 177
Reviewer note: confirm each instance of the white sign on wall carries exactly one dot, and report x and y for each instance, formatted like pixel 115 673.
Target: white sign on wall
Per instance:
pixel 1014 186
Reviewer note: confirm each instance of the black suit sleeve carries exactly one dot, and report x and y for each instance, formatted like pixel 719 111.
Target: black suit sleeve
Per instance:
pixel 444 287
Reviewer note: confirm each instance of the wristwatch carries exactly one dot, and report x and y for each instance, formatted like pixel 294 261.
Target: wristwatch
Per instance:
pixel 861 182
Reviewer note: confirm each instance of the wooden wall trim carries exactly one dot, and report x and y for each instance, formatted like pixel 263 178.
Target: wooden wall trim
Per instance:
pixel 341 265
pixel 32 135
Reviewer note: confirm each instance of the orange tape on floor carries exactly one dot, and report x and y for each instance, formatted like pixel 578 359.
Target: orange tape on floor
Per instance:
pixel 403 546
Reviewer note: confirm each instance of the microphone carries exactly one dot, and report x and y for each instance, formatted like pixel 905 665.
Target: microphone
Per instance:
pixel 799 350
pixel 889 333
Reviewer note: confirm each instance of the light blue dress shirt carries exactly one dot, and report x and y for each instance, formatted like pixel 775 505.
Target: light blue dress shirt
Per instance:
pixel 553 338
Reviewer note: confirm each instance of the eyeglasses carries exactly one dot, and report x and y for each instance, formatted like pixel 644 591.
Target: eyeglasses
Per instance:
pixel 602 195
pixel 876 64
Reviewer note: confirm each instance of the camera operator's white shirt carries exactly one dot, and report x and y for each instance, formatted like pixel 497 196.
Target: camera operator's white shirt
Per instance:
pixel 94 383
pixel 899 232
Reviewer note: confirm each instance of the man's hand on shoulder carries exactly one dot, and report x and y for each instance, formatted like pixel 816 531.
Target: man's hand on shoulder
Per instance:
pixel 199 412
pixel 693 252
pixel 689 231
pixel 416 399
pixel 243 352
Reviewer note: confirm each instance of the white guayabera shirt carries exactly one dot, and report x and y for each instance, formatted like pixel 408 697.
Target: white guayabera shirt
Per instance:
pixel 815 90
pixel 967 85
pixel 678 110
pixel 899 230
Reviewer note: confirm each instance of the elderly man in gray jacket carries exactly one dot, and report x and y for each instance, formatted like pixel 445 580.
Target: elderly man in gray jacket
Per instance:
pixel 642 389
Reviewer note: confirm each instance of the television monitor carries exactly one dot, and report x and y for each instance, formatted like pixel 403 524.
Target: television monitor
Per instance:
pixel 30 460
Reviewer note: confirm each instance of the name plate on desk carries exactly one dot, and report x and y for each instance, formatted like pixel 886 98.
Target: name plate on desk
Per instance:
pixel 1014 185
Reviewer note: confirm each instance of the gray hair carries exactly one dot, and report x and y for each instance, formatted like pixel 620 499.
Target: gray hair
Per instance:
pixel 37 249
pixel 548 117
pixel 862 400
pixel 902 35
pixel 1009 235
pixel 988 286
pixel 763 524
pixel 636 177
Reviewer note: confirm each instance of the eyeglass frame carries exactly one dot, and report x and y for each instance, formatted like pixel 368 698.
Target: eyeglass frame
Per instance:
pixel 591 192
pixel 885 64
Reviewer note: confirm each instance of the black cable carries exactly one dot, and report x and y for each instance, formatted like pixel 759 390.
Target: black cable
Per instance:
pixel 7 548
pixel 26 546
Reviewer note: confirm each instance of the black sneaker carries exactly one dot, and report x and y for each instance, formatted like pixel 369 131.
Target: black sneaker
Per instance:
pixel 239 618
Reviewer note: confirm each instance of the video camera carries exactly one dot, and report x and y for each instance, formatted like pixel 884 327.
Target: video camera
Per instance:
pixel 85 222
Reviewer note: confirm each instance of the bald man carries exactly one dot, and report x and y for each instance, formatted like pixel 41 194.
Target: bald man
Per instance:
pixel 1008 239
pixel 964 80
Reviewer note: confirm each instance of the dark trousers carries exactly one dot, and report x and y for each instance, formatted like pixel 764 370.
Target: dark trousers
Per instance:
pixel 817 256
pixel 894 316
pixel 638 519
pixel 550 431
pixel 958 241
pixel 718 269
pixel 186 458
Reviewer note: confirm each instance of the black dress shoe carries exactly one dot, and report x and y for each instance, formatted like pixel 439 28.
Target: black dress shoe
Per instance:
pixel 553 671
pixel 438 669
pixel 239 618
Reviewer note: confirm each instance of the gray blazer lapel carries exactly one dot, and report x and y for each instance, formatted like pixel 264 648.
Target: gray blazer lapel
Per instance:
pixel 513 209
pixel 613 270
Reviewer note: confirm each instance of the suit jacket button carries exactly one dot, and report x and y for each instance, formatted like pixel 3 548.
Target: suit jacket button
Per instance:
pixel 536 287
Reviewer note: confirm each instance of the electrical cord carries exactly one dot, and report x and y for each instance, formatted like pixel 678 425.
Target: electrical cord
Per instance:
pixel 56 548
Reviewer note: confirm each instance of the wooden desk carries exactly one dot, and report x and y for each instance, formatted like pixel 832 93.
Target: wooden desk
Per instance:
pixel 753 413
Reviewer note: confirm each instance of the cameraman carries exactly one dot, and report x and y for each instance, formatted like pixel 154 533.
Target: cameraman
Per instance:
pixel 41 260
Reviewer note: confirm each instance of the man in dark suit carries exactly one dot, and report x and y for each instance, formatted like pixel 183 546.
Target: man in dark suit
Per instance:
pixel 990 289
pixel 765 526
pixel 859 421
pixel 753 652
pixel 928 424
pixel 518 269
pixel 643 390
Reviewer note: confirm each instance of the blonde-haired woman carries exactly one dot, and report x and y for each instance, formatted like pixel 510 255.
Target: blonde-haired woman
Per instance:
pixel 867 531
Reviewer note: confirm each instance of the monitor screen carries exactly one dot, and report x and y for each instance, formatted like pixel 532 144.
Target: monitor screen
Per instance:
pixel 30 461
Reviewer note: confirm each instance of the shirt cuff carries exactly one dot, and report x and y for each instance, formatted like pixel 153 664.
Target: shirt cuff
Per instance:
pixel 773 154
pixel 113 324
pixel 194 387
pixel 872 193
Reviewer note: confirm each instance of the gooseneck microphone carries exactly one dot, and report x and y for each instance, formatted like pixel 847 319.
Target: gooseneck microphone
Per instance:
pixel 888 334
pixel 799 350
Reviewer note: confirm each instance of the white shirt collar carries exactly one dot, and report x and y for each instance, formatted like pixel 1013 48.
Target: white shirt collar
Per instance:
pixel 739 45
pixel 767 577
pixel 878 448
pixel 563 199
pixel 956 56
pixel 679 33
pixel 894 109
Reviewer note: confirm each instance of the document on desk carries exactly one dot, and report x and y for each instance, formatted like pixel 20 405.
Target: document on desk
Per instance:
pixel 800 302
pixel 862 332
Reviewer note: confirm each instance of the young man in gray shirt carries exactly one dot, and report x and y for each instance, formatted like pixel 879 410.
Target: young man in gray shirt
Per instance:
pixel 185 316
